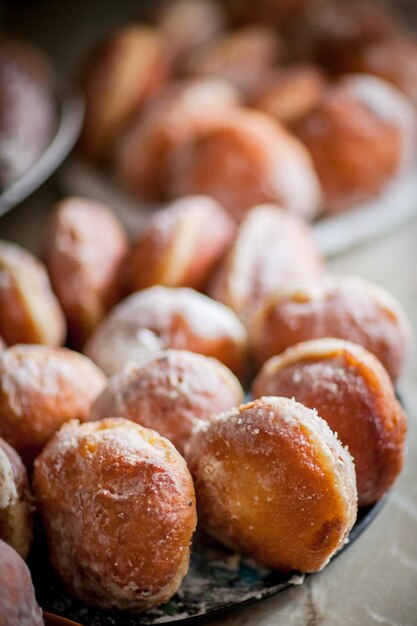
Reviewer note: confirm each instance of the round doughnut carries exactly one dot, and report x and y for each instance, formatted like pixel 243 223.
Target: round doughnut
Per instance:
pixel 290 92
pixel 242 57
pixel 394 59
pixel 346 308
pixel 351 390
pixel 118 507
pixel 120 76
pixel 360 135
pixel 84 245
pixel 333 32
pixel 40 389
pixel 174 117
pixel 181 245
pixel 248 159
pixel 159 318
pixel 18 606
pixel 15 501
pixel 272 246
pixel 187 25
pixel 29 311
pixel 274 482
pixel 170 394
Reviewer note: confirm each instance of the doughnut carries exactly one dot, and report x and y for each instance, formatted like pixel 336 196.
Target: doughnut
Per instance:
pixel 272 246
pixel 241 57
pixel 181 245
pixel 170 394
pixel 27 108
pixel 159 318
pixel 274 482
pixel 121 74
pixel 187 25
pixel 29 311
pixel 178 114
pixel 18 606
pixel 15 501
pixel 334 32
pixel 248 159
pixel 84 245
pixel 393 59
pixel 290 92
pixel 346 308
pixel 361 135
pixel 351 390
pixel 118 507
pixel 40 389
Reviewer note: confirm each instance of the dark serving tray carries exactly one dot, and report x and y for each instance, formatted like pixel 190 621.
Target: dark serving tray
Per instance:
pixel 219 581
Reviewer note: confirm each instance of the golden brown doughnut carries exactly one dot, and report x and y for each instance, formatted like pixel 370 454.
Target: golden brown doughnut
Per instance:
pixel 15 501
pixel 272 247
pixel 29 311
pixel 117 503
pixel 18 606
pixel 189 24
pixel 274 482
pixel 346 308
pixel 394 59
pixel 122 73
pixel 159 318
pixel 360 135
pixel 170 394
pixel 351 390
pixel 290 92
pixel 40 389
pixel 84 245
pixel 242 57
pixel 181 245
pixel 179 113
pixel 333 32
pixel 248 159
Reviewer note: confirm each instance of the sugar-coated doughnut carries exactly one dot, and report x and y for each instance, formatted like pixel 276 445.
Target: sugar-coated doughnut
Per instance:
pixel 189 24
pixel 334 32
pixel 394 59
pixel 346 308
pixel 272 246
pixel 118 507
pixel 248 159
pixel 170 394
pixel 121 74
pixel 18 606
pixel 159 318
pixel 29 311
pixel 361 135
pixel 181 245
pixel 178 114
pixel 40 389
pixel 242 57
pixel 351 390
pixel 290 92
pixel 16 505
pixel 84 245
pixel 274 482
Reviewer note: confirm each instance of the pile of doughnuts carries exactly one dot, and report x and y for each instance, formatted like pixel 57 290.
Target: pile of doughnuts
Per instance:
pixel 120 447
pixel 303 104
pixel 124 363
